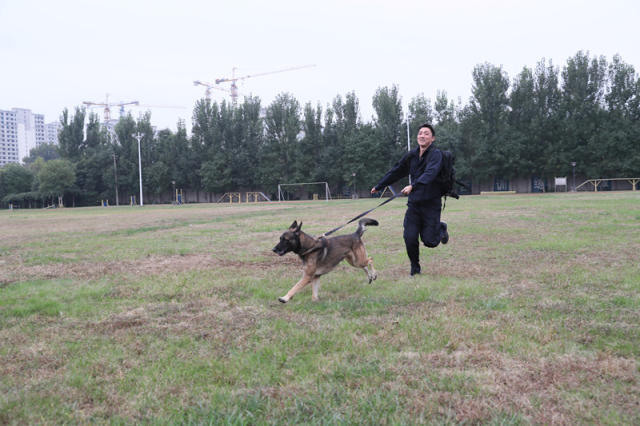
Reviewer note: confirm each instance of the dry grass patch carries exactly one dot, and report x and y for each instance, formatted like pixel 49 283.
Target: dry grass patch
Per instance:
pixel 15 271
pixel 524 317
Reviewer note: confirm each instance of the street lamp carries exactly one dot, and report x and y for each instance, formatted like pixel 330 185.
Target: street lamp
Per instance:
pixel 138 136
pixel 115 166
pixel 573 164
pixel 355 192
pixel 115 173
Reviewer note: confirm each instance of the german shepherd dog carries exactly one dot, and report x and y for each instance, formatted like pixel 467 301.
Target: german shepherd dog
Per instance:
pixel 320 255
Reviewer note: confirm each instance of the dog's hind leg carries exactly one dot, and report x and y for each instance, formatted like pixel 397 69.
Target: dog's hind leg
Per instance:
pixel 306 279
pixel 359 259
pixel 372 275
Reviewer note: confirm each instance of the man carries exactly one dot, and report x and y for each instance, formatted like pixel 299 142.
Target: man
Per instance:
pixel 423 212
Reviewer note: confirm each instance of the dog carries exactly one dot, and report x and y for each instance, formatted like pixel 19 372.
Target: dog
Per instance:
pixel 320 255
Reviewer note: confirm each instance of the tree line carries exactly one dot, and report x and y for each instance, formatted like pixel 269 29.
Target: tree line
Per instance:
pixel 535 124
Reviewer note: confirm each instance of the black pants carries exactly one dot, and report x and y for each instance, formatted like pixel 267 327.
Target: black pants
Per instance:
pixel 423 220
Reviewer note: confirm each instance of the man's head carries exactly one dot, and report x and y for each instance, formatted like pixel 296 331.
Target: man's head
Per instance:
pixel 426 135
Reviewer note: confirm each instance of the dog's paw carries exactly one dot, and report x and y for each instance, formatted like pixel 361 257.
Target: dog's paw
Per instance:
pixel 282 300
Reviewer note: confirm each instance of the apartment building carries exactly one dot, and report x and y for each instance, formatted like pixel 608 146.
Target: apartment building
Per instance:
pixel 8 137
pixel 20 131
pixel 51 132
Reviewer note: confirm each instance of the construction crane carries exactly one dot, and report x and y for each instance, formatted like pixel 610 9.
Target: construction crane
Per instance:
pixel 122 111
pixel 234 87
pixel 107 106
pixel 209 86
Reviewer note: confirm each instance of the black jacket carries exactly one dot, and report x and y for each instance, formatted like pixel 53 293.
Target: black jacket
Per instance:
pixel 423 171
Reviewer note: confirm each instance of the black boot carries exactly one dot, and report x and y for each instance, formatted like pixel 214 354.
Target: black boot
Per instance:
pixel 444 233
pixel 415 269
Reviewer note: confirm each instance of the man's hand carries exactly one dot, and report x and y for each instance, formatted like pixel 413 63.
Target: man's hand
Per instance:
pixel 407 190
pixel 374 190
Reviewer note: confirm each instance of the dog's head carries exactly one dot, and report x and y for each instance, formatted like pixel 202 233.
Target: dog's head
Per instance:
pixel 289 240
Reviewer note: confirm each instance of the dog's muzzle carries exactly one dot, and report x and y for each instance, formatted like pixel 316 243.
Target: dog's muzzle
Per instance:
pixel 278 251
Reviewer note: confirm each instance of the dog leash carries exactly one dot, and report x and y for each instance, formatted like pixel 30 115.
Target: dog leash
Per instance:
pixel 395 195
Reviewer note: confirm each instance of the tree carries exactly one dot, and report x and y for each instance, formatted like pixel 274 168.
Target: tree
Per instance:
pixel 388 124
pixel 149 156
pixel 216 170
pixel 94 164
pixel 56 178
pixel 311 145
pixel 494 154
pixel 446 122
pixel 15 179
pixel 581 109
pixel 620 130
pixel 243 142
pixel 547 121
pixel 280 153
pixel 176 154
pixel 126 151
pixel 420 112
pixel 71 135
pixel 46 151
pixel 522 117
pixel 351 166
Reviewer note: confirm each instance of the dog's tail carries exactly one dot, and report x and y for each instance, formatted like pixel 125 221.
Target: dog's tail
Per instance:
pixel 365 221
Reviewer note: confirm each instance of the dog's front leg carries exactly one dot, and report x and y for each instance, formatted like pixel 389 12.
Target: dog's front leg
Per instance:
pixel 314 289
pixel 296 288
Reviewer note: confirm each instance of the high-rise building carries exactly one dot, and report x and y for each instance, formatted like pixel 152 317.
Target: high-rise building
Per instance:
pixel 20 132
pixel 8 138
pixel 51 132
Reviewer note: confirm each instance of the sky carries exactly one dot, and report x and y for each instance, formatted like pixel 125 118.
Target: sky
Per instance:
pixel 57 54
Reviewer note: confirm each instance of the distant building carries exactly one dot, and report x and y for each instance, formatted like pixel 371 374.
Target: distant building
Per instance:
pixel 8 137
pixel 20 132
pixel 51 132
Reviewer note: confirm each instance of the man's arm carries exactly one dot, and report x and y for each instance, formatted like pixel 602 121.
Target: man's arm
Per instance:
pixel 400 170
pixel 434 163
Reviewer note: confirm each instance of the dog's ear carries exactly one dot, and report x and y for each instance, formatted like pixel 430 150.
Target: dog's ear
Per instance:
pixel 299 226
pixel 294 225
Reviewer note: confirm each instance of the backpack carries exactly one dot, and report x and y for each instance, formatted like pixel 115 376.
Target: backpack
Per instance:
pixel 447 176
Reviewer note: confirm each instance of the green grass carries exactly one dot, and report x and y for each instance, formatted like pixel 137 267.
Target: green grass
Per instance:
pixel 168 314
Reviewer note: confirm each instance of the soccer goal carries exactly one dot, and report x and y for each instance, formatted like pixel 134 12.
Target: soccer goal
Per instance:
pixel 303 191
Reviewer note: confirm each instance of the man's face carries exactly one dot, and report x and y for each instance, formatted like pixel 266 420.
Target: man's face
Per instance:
pixel 425 138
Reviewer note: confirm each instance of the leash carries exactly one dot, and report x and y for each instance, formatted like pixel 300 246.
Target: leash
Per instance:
pixel 395 195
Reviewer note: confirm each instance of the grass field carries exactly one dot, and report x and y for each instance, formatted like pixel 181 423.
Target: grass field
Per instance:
pixel 164 314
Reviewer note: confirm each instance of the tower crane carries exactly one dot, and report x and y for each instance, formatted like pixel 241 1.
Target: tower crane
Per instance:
pixel 233 80
pixel 107 106
pixel 122 112
pixel 209 86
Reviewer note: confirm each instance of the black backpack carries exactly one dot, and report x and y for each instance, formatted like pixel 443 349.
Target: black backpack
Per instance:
pixel 447 176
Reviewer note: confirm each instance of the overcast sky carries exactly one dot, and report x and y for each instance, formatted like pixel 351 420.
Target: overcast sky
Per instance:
pixel 57 54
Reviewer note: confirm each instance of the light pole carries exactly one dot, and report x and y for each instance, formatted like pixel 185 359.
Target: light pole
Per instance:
pixel 115 173
pixel 173 182
pixel 573 165
pixel 355 192
pixel 406 115
pixel 138 136
pixel 115 166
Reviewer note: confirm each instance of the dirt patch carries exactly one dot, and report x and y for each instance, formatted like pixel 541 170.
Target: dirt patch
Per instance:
pixel 536 388
pixel 149 266
pixel 30 225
